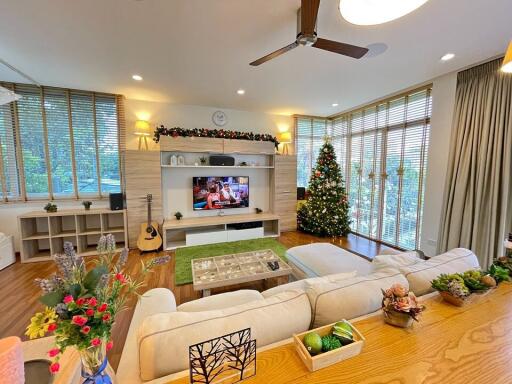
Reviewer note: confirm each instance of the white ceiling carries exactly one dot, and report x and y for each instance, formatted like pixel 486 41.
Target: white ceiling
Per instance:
pixel 198 51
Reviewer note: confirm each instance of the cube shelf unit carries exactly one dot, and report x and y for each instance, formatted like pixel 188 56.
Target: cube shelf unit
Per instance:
pixel 43 234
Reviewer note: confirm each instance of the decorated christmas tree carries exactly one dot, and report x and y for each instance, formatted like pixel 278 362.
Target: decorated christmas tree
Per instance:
pixel 325 212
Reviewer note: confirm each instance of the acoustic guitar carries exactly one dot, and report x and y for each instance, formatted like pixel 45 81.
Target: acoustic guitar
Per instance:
pixel 149 238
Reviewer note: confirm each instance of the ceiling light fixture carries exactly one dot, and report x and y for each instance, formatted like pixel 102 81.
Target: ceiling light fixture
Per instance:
pixel 507 61
pixel 447 57
pixel 241 92
pixel 334 104
pixel 137 77
pixel 372 12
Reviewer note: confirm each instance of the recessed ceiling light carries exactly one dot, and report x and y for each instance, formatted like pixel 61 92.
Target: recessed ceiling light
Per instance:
pixel 372 12
pixel 448 56
pixel 137 77
pixel 334 104
pixel 241 91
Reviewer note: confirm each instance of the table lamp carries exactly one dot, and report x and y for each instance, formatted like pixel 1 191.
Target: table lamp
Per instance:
pixel 285 138
pixel 142 130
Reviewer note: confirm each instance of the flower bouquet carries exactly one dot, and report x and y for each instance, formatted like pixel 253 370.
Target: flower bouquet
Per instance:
pixel 400 306
pixel 81 305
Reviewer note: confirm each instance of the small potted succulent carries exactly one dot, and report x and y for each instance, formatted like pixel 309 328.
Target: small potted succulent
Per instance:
pixel 457 288
pixel 87 204
pixel 178 215
pixel 203 160
pixel 400 306
pixel 50 207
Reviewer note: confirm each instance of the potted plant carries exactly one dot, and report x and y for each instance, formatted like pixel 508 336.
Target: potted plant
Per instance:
pixel 203 160
pixel 400 307
pixel 178 215
pixel 87 204
pixel 82 304
pixel 50 207
pixel 452 288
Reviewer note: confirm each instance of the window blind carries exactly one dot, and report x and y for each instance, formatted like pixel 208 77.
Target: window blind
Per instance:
pixel 382 150
pixel 59 143
pixel 310 134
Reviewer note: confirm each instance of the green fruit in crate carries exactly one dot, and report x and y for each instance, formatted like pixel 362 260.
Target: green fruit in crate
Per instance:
pixel 313 343
pixel 343 331
pixel 330 342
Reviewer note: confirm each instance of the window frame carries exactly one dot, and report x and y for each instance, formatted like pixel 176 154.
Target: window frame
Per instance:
pixel 14 130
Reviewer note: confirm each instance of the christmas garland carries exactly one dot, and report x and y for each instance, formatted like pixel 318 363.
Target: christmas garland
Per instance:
pixel 216 133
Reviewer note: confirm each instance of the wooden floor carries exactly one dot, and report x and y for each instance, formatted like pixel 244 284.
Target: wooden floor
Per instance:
pixel 20 295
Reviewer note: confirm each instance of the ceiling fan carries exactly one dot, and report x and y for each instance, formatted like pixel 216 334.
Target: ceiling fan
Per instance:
pixel 306 35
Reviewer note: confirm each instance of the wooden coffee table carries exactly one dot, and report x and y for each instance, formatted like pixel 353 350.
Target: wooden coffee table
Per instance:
pixel 449 345
pixel 221 271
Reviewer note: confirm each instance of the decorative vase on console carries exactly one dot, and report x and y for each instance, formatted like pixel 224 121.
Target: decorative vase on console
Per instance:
pixel 400 307
pixel 81 305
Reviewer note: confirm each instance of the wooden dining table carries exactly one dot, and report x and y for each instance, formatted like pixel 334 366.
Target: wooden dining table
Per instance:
pixel 449 345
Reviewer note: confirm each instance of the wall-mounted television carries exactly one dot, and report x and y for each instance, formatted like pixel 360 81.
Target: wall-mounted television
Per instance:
pixel 222 192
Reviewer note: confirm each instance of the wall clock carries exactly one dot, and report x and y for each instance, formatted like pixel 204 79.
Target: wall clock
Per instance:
pixel 219 118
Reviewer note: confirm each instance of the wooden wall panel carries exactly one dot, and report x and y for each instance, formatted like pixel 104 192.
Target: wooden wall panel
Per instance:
pixel 284 189
pixel 142 176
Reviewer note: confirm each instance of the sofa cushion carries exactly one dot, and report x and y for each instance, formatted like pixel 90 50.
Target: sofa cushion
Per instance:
pixel 397 260
pixel 221 301
pixel 164 338
pixel 350 298
pixel 303 284
pixel 320 259
pixel 421 274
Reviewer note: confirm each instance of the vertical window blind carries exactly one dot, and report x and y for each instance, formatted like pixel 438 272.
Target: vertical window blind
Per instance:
pixel 382 151
pixel 59 143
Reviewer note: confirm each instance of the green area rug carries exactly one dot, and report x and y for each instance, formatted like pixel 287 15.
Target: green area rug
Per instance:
pixel 183 273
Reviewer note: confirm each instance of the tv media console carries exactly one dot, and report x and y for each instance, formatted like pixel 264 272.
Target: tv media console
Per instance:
pixel 218 229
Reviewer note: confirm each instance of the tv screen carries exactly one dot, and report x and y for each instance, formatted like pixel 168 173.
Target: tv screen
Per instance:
pixel 220 192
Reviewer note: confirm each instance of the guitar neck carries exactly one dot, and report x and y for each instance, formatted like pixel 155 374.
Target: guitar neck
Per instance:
pixel 149 212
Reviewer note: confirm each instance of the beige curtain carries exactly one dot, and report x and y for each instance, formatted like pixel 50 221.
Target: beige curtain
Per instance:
pixel 477 201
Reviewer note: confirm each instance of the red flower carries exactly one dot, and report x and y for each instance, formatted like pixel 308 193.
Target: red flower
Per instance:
pixel 96 341
pixel 110 344
pixel 92 302
pixel 52 327
pixel 79 320
pixel 85 329
pixel 120 277
pixel 102 307
pixel 54 368
pixel 90 312
pixel 53 352
pixel 80 301
pixel 106 317
pixel 68 299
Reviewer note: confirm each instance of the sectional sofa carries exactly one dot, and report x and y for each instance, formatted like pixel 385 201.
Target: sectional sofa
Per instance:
pixel 156 348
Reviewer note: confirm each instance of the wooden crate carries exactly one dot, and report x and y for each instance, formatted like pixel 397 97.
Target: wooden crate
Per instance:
pixel 325 359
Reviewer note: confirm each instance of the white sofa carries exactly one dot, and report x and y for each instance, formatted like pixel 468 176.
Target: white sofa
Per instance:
pixel 156 348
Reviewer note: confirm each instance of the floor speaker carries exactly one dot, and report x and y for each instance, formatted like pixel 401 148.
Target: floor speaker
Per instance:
pixel 116 201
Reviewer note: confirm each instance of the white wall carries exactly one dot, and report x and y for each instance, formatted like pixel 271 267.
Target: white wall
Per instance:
pixel 443 104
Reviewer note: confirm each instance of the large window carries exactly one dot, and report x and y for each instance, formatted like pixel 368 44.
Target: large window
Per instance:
pixel 58 143
pixel 310 134
pixel 382 151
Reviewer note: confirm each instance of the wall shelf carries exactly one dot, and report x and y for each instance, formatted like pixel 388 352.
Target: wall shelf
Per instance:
pixel 43 234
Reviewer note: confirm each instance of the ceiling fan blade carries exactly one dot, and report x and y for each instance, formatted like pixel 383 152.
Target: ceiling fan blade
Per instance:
pixel 274 54
pixel 308 14
pixel 341 48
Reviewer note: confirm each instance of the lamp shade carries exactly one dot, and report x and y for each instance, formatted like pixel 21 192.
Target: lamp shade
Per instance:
pixel 372 12
pixel 507 61
pixel 285 137
pixel 142 128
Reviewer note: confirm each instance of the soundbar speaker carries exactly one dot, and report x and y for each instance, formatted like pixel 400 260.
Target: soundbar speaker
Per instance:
pixel 116 201
pixel 222 160
pixel 301 193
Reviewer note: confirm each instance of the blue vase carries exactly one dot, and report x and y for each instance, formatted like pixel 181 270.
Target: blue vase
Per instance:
pixel 94 364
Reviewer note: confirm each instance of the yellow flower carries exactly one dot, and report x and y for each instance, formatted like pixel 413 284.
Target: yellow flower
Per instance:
pixel 39 323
